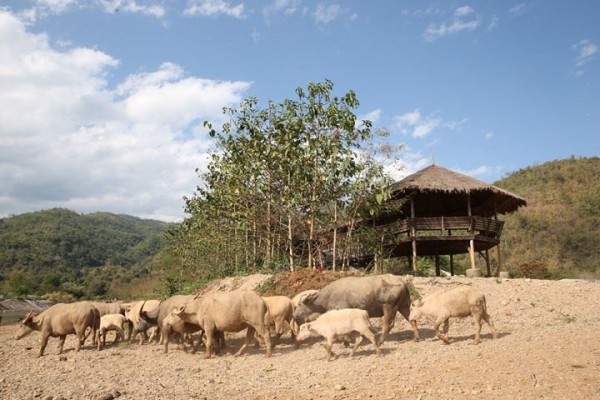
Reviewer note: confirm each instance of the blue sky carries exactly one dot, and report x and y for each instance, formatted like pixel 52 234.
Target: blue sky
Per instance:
pixel 102 101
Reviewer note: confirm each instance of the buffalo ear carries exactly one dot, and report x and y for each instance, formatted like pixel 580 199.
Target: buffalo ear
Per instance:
pixel 178 310
pixel 309 298
pixel 29 316
pixel 417 303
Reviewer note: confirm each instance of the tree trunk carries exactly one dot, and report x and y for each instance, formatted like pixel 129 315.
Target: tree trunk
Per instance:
pixel 333 250
pixel 291 242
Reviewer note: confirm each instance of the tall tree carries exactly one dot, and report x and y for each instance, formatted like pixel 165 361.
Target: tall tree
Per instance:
pixel 280 176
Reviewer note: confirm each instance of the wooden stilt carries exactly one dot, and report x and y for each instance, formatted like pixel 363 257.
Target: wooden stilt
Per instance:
pixel 472 253
pixel 499 255
pixel 413 234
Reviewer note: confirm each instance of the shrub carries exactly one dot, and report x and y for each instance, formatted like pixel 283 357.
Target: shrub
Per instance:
pixel 532 270
pixel 59 297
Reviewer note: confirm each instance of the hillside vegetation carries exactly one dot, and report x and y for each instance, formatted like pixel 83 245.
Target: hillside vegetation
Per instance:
pixel 60 250
pixel 558 233
pixel 63 253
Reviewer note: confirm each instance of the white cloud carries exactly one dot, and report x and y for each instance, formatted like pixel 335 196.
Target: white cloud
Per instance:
pixel 518 9
pixel 488 135
pixel 372 116
pixel 212 8
pixel 325 14
pixel 483 171
pixel 56 6
pixel 409 162
pixel 155 9
pixel 287 7
pixel 586 51
pixel 69 140
pixel 418 126
pixel 463 19
pixel 414 124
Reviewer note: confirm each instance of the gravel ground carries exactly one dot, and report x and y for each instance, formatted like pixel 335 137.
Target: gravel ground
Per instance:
pixel 548 348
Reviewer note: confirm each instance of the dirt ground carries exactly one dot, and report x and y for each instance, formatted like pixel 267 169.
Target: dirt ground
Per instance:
pixel 548 348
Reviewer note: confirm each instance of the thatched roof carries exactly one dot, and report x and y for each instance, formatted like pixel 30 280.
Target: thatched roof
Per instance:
pixel 440 191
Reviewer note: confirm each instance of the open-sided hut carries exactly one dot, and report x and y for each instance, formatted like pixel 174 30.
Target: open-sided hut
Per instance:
pixel 442 212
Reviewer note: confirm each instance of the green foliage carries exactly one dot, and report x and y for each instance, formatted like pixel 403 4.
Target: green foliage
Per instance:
pixel 267 286
pixel 558 232
pixel 280 175
pixel 414 292
pixel 61 251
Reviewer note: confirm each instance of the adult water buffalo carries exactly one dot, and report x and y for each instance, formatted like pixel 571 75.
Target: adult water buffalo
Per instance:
pixel 137 325
pixel 61 320
pixel 379 295
pixel 158 315
pixel 228 312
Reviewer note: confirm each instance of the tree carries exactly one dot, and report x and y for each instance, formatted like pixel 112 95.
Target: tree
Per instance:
pixel 280 179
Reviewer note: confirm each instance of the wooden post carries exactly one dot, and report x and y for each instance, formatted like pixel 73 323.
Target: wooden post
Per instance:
pixel 472 241
pixel 498 252
pixel 474 271
pixel 487 263
pixel 413 234
pixel 472 253
pixel 451 265
pixel 437 265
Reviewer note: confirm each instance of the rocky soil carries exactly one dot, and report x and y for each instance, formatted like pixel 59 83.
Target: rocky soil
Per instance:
pixel 548 348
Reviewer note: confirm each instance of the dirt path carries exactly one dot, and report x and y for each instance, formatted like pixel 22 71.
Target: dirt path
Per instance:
pixel 548 348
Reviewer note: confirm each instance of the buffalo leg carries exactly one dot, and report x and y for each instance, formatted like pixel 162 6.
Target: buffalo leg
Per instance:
pixel 219 341
pixel 249 338
pixel 477 320
pixel 389 315
pixel 436 327
pixel 61 344
pixel 488 320
pixel 357 341
pixel 371 336
pixel 446 328
pixel 328 347
pixel 44 343
pixel 120 335
pixel 264 332
pixel 209 331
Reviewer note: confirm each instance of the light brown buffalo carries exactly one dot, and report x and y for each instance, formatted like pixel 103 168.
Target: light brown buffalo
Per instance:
pixel 460 302
pixel 228 312
pixel 61 320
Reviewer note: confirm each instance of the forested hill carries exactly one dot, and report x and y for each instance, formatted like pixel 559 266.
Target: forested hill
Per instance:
pixel 558 233
pixel 53 248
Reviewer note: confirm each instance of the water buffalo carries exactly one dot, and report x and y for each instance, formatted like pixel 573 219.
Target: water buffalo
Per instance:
pixel 379 295
pixel 458 302
pixel 228 312
pixel 338 324
pixel 61 320
pixel 136 323
pixel 157 316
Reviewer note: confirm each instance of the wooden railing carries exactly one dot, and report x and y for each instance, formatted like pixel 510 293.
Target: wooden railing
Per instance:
pixel 447 226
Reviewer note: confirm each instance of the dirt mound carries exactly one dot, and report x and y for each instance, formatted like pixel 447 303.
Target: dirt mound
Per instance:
pixel 283 284
pixel 250 282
